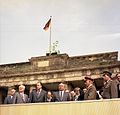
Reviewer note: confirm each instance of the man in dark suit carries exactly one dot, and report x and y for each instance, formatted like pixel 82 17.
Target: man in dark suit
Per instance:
pixel 9 99
pixel 38 95
pixel 61 95
pixel 21 97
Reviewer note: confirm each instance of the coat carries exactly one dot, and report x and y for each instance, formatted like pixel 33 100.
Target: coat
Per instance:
pixel 20 99
pixel 109 90
pixel 57 98
pixel 9 99
pixel 90 93
pixel 35 98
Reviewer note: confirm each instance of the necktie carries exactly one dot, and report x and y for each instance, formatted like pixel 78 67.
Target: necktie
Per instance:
pixel 61 95
pixel 38 94
pixel 22 95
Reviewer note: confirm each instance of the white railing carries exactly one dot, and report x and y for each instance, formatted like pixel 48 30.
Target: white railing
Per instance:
pixel 92 107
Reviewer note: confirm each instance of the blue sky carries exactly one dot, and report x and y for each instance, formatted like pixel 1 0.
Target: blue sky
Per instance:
pixel 82 27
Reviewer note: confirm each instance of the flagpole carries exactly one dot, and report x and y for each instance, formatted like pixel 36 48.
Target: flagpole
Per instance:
pixel 50 37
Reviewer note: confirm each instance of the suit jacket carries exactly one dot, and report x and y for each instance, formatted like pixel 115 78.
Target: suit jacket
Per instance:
pixel 20 99
pixel 35 98
pixel 57 98
pixel 9 100
pixel 90 93
pixel 115 88
pixel 109 90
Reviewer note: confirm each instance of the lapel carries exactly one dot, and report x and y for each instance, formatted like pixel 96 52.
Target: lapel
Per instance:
pixel 63 96
pixel 107 84
pixel 38 95
pixel 20 96
pixel 59 96
pixel 10 99
pixel 23 98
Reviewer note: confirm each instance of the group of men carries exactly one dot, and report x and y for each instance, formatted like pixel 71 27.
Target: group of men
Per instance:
pixel 111 89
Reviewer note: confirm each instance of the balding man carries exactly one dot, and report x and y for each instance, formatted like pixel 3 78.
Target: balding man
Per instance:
pixel 61 95
pixel 21 97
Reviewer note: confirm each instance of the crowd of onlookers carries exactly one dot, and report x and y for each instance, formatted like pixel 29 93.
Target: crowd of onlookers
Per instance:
pixel 111 89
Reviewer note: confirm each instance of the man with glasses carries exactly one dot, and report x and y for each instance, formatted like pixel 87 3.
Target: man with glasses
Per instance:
pixel 61 95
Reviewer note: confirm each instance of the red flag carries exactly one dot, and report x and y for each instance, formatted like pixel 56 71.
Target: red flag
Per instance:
pixel 47 25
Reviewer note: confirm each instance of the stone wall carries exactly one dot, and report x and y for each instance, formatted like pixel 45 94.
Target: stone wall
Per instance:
pixel 57 68
pixel 60 61
pixel 93 60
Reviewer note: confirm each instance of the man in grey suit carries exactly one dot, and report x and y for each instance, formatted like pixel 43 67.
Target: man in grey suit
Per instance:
pixel 20 97
pixel 90 92
pixel 108 90
pixel 38 95
pixel 10 98
pixel 61 95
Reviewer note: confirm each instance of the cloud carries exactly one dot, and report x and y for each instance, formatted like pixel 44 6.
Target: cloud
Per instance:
pixel 113 36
